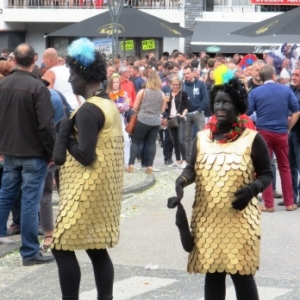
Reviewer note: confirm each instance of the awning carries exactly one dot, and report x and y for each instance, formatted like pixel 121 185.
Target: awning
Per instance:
pixel 213 36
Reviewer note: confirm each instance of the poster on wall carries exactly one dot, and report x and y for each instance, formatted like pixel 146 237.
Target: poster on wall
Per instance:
pixel 103 45
pixel 287 55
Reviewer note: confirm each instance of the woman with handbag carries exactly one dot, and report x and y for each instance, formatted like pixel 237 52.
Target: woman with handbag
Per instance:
pixel 177 109
pixel 149 104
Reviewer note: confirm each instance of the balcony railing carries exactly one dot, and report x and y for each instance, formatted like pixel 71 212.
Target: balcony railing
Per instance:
pixel 92 4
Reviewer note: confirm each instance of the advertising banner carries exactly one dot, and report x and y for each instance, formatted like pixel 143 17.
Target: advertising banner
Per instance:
pixel 275 2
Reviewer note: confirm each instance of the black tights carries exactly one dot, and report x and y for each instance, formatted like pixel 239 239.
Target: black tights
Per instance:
pixel 69 273
pixel 215 289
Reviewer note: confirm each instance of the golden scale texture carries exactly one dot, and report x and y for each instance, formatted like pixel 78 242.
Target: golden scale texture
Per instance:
pixel 226 240
pixel 90 197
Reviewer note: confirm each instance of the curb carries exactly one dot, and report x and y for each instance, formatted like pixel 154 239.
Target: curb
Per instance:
pixel 127 193
pixel 140 187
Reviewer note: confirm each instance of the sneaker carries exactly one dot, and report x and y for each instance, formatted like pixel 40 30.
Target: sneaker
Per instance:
pixel 6 241
pixel 174 165
pixel 183 165
pixel 38 259
pixel 168 161
pixel 155 170
pixel 277 195
pixel 13 230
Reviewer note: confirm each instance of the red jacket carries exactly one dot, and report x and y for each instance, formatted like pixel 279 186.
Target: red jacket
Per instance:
pixel 128 87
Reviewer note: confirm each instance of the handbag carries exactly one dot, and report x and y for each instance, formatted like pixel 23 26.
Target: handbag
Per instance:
pixel 131 125
pixel 129 128
pixel 172 123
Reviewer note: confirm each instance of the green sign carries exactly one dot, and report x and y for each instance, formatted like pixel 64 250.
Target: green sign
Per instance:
pixel 213 49
pixel 129 45
pixel 148 44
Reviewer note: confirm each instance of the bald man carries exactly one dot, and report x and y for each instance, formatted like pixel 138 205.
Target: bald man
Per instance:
pixel 58 77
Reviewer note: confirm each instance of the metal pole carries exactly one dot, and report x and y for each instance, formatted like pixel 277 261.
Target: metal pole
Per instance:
pixel 115 8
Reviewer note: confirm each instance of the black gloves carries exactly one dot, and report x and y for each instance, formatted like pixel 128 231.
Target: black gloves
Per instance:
pixel 179 185
pixel 182 223
pixel 243 197
pixel 61 143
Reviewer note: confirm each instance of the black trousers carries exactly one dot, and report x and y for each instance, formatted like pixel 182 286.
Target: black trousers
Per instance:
pixel 215 289
pixel 70 275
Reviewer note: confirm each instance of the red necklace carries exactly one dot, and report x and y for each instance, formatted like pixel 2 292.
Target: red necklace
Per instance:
pixel 237 129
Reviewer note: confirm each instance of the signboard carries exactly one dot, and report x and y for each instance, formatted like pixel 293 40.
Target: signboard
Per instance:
pixel 275 2
pixel 148 44
pixel 103 45
pixel 129 45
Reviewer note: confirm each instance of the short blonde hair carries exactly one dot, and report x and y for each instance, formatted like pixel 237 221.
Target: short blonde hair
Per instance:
pixel 153 82
pixel 175 78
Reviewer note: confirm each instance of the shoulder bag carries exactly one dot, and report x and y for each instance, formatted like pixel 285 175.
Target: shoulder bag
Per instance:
pixel 131 124
pixel 173 122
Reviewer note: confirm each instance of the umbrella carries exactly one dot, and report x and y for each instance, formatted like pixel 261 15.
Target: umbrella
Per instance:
pixel 132 23
pixel 286 23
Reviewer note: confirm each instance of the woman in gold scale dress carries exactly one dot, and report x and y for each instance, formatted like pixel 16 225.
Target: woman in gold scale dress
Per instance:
pixel 91 177
pixel 230 166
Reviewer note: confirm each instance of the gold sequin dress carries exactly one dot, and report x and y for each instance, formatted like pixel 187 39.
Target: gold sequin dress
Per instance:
pixel 90 197
pixel 226 240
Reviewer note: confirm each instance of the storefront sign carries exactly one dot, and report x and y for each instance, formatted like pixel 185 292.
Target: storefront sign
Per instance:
pixel 129 45
pixel 213 49
pixel 260 49
pixel 148 44
pixel 275 2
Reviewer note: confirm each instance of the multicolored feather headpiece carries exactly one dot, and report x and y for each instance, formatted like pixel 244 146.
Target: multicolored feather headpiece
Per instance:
pixel 223 74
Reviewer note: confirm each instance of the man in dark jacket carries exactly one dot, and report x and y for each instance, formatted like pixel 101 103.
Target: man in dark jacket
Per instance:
pixel 26 141
pixel 198 100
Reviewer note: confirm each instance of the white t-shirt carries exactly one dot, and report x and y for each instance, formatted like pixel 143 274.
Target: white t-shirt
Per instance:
pixel 61 83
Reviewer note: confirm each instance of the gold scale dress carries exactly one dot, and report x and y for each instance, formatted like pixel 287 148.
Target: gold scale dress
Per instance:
pixel 90 197
pixel 226 240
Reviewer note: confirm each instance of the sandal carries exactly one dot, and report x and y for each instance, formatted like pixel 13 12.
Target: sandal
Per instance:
pixel 265 209
pixel 291 207
pixel 45 247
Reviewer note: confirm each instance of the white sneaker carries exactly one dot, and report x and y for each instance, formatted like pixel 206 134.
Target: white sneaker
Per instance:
pixel 155 170
pixel 183 165
pixel 174 165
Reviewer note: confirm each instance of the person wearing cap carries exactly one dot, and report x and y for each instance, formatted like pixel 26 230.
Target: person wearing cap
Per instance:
pixel 230 165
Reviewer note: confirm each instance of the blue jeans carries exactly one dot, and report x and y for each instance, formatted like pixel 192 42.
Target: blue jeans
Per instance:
pixel 28 174
pixel 191 120
pixel 294 160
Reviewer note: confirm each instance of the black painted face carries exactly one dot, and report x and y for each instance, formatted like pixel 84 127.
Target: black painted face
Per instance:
pixel 78 83
pixel 224 108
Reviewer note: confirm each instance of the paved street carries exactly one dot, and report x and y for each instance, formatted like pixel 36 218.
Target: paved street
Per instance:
pixel 149 238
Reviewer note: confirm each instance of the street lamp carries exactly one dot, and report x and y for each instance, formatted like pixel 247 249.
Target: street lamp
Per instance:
pixel 115 8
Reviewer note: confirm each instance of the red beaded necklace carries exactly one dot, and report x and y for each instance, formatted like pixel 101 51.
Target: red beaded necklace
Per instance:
pixel 237 129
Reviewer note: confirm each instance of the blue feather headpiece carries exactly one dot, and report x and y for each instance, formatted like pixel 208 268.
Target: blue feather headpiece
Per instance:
pixel 83 51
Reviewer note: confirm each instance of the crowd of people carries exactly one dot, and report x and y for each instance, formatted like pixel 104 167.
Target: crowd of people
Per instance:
pixel 202 110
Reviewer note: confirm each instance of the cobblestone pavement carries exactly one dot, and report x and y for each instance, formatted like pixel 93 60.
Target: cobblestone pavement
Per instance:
pixel 149 261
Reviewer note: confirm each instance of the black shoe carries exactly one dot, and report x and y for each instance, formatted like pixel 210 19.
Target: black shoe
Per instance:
pixel 281 203
pixel 41 231
pixel 13 230
pixel 38 259
pixel 168 161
